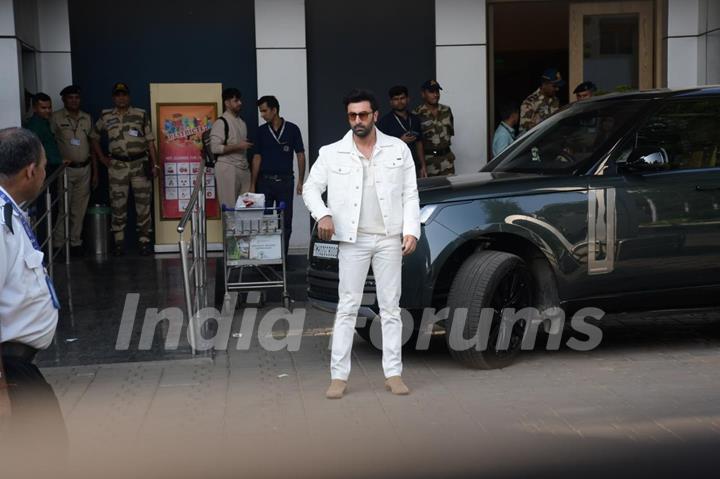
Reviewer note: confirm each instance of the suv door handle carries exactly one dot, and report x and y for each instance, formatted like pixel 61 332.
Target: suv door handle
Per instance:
pixel 707 188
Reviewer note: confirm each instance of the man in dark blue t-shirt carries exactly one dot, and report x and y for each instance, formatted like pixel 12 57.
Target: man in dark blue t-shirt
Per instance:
pixel 402 124
pixel 272 165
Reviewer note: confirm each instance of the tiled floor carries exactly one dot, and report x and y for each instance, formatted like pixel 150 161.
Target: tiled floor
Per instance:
pixel 93 295
pixel 646 403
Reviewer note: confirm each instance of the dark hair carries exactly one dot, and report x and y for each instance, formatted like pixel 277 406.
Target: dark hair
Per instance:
pixel 230 93
pixel 270 101
pixel 38 97
pixel 585 86
pixel 507 109
pixel 18 148
pixel 398 90
pixel 357 95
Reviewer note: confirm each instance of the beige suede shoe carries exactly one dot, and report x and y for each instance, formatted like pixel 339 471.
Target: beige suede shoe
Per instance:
pixel 395 385
pixel 336 389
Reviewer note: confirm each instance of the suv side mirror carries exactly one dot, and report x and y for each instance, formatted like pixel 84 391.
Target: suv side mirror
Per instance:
pixel 646 159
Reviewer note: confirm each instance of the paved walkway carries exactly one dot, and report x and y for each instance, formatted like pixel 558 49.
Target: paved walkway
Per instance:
pixel 646 403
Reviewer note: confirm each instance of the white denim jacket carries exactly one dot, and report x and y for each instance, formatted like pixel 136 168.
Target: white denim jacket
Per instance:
pixel 339 171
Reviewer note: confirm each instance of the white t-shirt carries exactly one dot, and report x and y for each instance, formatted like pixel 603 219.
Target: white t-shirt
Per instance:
pixel 371 219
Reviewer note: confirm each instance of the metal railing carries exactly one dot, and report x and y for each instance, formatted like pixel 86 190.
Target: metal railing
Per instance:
pixel 193 254
pixel 46 219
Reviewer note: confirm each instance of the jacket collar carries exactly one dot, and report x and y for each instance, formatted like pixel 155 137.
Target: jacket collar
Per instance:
pixel 115 110
pixel 37 118
pixel 346 144
pixel 65 113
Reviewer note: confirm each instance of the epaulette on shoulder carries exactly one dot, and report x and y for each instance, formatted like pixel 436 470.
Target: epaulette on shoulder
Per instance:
pixel 6 217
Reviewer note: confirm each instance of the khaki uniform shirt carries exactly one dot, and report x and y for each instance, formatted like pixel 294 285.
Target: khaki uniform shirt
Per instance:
pixel 536 108
pixel 437 131
pixel 72 135
pixel 237 130
pixel 129 135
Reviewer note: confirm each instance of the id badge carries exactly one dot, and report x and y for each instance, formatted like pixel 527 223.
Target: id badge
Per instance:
pixel 75 142
pixel 53 294
pixel 133 132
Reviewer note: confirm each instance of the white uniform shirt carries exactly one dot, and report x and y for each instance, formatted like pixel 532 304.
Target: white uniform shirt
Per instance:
pixel 27 314
pixel 371 218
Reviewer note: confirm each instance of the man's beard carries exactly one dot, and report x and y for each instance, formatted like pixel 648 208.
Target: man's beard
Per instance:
pixel 361 131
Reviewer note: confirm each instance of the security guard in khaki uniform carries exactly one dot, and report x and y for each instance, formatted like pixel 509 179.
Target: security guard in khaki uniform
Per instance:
pixel 72 128
pixel 130 143
pixel 543 102
pixel 438 128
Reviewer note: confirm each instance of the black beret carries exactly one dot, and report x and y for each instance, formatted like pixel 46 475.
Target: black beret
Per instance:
pixel 585 86
pixel 70 90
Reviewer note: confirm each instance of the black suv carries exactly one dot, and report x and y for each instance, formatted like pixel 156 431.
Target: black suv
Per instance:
pixel 612 203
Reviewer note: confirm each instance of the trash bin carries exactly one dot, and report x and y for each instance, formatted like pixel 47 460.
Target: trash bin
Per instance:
pixel 99 216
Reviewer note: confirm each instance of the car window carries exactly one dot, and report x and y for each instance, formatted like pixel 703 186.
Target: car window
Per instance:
pixel 687 132
pixel 569 140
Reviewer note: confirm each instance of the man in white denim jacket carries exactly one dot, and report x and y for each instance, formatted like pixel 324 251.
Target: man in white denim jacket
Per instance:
pixel 373 211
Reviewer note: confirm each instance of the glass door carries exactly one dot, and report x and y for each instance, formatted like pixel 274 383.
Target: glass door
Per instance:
pixel 611 44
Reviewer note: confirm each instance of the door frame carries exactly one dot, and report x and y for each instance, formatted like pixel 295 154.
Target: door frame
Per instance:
pixel 646 40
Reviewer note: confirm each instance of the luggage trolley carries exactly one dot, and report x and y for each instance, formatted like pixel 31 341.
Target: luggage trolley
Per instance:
pixel 253 239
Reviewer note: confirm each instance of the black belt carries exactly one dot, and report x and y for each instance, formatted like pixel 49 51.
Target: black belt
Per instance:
pixel 129 157
pixel 82 164
pixel 11 349
pixel 438 152
pixel 278 177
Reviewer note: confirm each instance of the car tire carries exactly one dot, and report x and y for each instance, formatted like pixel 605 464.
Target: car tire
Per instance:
pixel 364 331
pixel 489 279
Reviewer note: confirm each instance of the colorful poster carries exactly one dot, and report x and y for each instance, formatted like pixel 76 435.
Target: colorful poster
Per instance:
pixel 180 127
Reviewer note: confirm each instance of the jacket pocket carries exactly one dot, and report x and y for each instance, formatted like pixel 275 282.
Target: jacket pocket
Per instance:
pixel 393 163
pixel 340 170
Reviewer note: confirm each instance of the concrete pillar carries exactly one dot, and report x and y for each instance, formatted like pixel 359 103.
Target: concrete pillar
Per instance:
pixel 461 65
pixel 53 58
pixel 11 91
pixel 282 72
pixel 693 43
pixel 713 43
pixel 34 53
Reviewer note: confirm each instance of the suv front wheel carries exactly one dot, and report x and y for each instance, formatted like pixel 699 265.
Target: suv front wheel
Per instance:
pixel 495 280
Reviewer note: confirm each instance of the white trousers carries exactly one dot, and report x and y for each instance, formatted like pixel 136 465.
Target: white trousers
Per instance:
pixel 385 255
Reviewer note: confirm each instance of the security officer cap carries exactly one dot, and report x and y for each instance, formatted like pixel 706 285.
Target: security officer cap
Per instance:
pixel 70 90
pixel 120 87
pixel 553 76
pixel 431 85
pixel 585 86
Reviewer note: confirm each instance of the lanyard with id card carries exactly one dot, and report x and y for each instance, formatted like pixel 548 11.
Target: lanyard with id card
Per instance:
pixel 277 137
pixel 36 246
pixel 74 141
